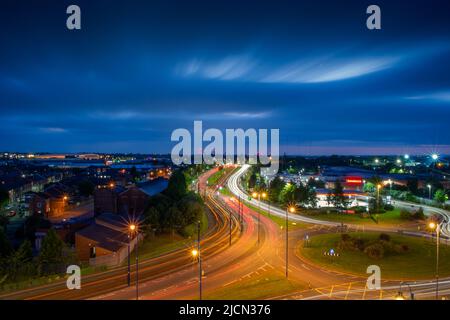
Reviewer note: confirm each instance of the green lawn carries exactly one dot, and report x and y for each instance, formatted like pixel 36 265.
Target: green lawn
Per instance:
pixel 163 243
pixel 258 287
pixel 387 218
pixel 281 222
pixel 417 263
pixel 212 180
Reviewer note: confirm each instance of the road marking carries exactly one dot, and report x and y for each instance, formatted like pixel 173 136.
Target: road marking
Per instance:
pixel 348 290
pixel 305 266
pixel 364 293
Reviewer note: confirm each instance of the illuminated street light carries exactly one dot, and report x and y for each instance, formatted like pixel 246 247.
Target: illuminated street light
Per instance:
pixel 194 253
pixel 434 156
pixel 65 198
pixel 429 190
pixel 406 156
pixel 399 296
pixel 254 194
pixel 133 228
pixel 291 209
pixel 435 226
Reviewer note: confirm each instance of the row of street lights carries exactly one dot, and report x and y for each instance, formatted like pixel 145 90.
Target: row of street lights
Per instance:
pixel 289 208
pixel 434 226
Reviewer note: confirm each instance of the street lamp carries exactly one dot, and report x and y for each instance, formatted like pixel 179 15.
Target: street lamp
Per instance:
pixel 256 194
pixel 437 228
pixel 400 295
pixel 390 186
pixel 291 209
pixel 196 254
pixel 434 156
pixel 429 191
pixel 133 229
pixel 378 197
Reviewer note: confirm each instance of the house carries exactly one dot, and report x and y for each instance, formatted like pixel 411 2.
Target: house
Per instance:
pixel 106 199
pixel 133 201
pixel 106 241
pixel 39 204
pixel 120 200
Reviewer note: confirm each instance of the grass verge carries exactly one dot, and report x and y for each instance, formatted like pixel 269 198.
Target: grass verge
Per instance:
pixel 419 262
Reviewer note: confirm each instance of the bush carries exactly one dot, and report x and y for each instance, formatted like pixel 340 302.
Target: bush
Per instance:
pixel 385 237
pixel 405 215
pixel 388 207
pixel 345 237
pixel 358 244
pixel 374 251
pixel 419 214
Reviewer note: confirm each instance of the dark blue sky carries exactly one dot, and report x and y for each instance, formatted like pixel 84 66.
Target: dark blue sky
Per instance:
pixel 139 69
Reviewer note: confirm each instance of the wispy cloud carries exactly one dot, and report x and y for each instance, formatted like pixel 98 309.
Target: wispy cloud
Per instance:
pixel 228 68
pixel 442 96
pixel 309 70
pixel 53 130
pixel 327 70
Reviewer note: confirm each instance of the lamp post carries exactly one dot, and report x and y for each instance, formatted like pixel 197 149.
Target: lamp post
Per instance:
pixel 255 194
pixel 435 226
pixel 429 191
pixel 196 254
pixel 129 269
pixel 390 187
pixel 134 229
pixel 378 197
pixel 400 295
pixel 291 209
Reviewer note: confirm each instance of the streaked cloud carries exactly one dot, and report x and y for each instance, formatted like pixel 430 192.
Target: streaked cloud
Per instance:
pixel 228 68
pixel 442 96
pixel 307 70
pixel 53 130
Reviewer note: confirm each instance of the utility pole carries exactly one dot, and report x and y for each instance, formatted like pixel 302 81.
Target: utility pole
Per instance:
pixel 199 261
pixel 230 226
pixel 129 261
pixel 137 266
pixel 287 243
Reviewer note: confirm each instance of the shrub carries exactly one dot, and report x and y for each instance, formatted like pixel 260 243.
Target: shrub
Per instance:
pixel 345 237
pixel 388 207
pixel 419 214
pixel 374 251
pixel 358 244
pixel 405 215
pixel 385 237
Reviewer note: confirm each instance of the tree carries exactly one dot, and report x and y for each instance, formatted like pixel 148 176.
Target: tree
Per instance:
pixel 5 245
pixel 275 187
pixel 440 196
pixel 20 262
pixel 177 187
pixel 51 255
pixel 25 252
pixel 4 197
pixel 287 194
pixel 252 181
pixel 338 198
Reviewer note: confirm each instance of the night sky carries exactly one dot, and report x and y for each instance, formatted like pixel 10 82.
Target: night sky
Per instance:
pixel 139 69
